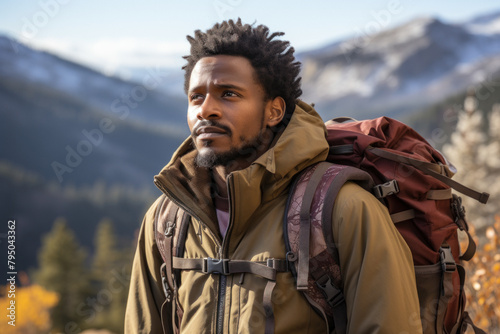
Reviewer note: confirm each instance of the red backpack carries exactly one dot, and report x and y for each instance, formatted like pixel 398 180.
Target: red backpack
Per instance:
pixel 413 180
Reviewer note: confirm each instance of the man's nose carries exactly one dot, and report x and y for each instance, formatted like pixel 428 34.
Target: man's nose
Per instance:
pixel 209 109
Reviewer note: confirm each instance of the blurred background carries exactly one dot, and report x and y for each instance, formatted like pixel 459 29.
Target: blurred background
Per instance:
pixel 92 107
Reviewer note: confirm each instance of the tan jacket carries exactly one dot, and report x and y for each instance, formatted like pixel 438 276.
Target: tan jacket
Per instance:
pixel 376 263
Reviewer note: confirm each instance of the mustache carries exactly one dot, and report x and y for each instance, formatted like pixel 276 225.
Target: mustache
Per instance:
pixel 211 123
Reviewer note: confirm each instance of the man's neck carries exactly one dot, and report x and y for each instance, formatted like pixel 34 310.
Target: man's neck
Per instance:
pixel 219 177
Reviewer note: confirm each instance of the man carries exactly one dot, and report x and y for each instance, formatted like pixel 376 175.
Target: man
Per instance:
pixel 248 140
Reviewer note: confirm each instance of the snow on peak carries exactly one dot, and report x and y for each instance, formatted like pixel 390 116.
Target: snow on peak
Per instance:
pixel 485 25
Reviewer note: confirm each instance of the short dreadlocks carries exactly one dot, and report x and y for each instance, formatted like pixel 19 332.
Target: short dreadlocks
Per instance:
pixel 273 60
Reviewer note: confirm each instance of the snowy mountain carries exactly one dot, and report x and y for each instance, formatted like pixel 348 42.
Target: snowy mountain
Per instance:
pixel 141 101
pixel 402 69
pixel 484 24
pixel 80 126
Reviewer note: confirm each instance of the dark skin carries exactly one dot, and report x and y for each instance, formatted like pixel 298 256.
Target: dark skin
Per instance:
pixel 223 89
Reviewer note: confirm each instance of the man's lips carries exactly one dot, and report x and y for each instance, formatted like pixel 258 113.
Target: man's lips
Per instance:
pixel 206 132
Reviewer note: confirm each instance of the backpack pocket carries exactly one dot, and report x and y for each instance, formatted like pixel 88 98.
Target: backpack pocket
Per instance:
pixel 432 286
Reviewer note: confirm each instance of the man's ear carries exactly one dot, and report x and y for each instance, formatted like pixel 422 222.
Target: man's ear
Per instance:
pixel 275 111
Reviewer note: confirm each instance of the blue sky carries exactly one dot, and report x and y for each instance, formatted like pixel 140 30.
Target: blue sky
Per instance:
pixel 110 33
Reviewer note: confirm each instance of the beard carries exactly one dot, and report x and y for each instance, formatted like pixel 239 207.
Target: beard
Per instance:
pixel 246 152
pixel 249 149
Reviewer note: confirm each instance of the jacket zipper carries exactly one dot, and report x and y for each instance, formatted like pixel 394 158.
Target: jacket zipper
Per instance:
pixel 221 304
pixel 222 278
pixel 223 250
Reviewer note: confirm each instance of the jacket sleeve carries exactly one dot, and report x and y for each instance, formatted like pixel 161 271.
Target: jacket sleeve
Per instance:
pixel 376 265
pixel 143 312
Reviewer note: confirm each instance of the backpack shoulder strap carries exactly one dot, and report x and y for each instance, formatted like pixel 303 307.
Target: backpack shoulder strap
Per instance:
pixel 309 217
pixel 170 226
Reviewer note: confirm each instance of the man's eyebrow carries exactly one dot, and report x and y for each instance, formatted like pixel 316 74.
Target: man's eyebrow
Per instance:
pixel 229 86
pixel 220 86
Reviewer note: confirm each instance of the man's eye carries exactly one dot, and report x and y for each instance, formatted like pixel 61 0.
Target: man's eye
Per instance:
pixel 196 97
pixel 229 93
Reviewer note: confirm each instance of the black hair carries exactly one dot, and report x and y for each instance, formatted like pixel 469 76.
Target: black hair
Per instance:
pixel 273 60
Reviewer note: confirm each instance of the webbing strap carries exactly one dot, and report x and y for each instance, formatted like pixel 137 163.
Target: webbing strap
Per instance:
pixel 459 215
pixel 471 248
pixel 305 225
pixel 480 197
pixel 439 194
pixel 448 266
pixel 460 315
pixel 341 149
pixel 439 172
pixel 402 216
pixel 419 164
pixel 268 306
pixel 266 269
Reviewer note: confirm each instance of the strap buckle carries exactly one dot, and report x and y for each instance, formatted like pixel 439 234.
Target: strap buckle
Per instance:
pixel 386 189
pixel 447 261
pixel 215 266
pixel 333 295
pixel 279 265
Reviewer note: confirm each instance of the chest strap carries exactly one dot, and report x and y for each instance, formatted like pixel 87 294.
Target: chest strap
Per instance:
pixel 266 269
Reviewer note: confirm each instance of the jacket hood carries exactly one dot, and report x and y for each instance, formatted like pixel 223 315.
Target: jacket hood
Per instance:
pixel 301 144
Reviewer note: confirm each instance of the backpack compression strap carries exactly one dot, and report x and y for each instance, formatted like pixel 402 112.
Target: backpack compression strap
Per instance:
pixel 434 170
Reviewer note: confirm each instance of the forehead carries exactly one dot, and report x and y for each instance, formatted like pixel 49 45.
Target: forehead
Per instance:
pixel 221 70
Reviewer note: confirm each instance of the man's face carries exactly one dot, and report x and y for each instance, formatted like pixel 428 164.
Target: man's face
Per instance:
pixel 227 112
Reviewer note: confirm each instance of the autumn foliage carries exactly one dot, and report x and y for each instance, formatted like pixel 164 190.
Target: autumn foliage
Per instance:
pixel 32 315
pixel 482 286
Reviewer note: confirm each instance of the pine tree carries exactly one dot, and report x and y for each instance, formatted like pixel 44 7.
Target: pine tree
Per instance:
pixel 117 307
pixel 489 159
pixel 108 263
pixel 106 255
pixel 62 270
pixel 476 155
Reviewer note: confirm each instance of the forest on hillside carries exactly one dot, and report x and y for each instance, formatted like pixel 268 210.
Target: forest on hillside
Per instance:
pixel 81 288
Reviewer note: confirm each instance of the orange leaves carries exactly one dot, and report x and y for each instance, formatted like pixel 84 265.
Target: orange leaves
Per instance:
pixel 483 280
pixel 31 311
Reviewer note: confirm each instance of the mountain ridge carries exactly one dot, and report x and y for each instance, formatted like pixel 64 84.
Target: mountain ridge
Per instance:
pixel 396 71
